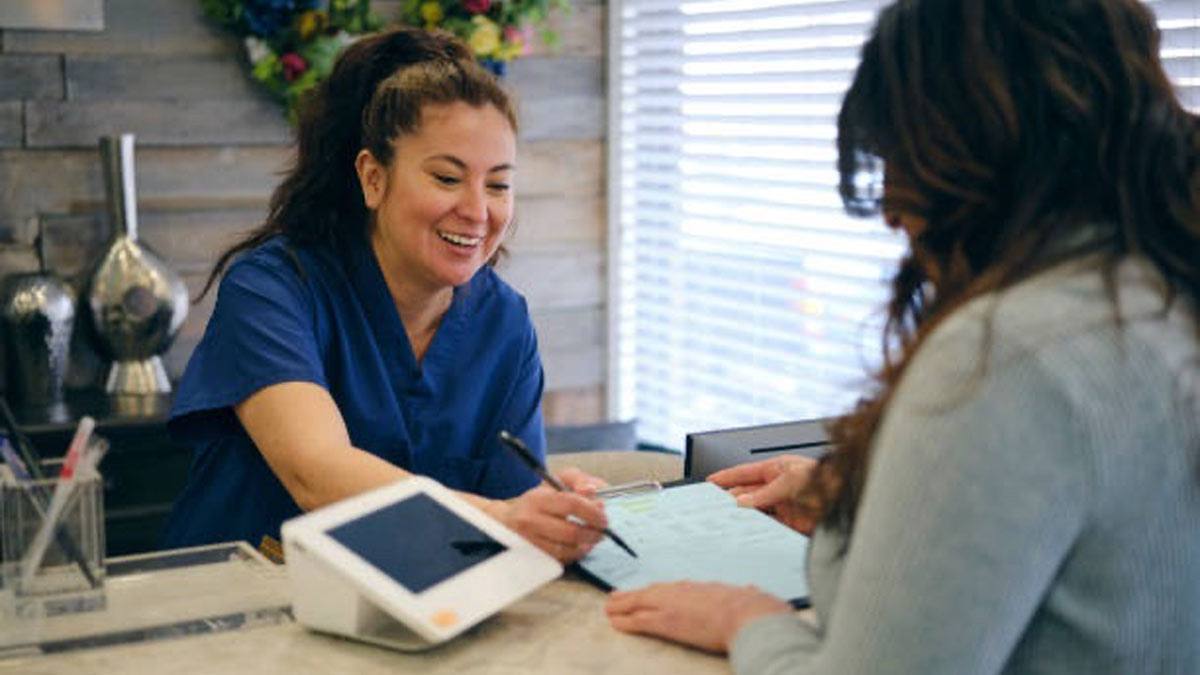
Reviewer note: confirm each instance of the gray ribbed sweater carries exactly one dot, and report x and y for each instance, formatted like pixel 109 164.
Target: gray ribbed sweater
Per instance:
pixel 1040 516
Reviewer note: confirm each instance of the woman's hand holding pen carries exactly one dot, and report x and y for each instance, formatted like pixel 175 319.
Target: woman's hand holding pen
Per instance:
pixel 580 482
pixel 545 516
pixel 772 486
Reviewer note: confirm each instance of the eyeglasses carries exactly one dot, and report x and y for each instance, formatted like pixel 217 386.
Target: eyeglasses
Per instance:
pixel 861 185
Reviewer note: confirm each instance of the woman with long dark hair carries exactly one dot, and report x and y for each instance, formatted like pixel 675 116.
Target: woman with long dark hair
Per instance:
pixel 360 334
pixel 1020 491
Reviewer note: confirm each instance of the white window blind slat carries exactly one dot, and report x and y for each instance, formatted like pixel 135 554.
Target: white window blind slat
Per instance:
pixel 1173 9
pixel 769 41
pixel 741 292
pixel 1179 21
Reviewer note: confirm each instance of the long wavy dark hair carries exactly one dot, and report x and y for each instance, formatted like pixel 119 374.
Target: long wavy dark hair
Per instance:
pixel 1012 125
pixel 375 93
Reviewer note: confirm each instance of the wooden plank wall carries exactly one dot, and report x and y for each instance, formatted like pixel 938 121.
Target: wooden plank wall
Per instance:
pixel 211 144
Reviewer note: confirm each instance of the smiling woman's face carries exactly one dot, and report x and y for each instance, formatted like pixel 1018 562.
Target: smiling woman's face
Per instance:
pixel 442 207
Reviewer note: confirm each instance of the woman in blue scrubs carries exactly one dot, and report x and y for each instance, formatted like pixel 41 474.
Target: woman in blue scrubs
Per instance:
pixel 361 335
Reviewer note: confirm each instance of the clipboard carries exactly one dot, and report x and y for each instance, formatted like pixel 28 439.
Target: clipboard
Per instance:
pixel 692 530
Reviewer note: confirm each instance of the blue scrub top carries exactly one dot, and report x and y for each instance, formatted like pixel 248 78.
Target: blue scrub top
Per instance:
pixel 286 313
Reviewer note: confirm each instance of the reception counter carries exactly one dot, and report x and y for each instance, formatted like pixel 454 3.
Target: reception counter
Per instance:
pixel 560 629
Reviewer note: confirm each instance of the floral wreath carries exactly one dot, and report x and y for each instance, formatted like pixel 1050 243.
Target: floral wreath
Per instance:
pixel 292 44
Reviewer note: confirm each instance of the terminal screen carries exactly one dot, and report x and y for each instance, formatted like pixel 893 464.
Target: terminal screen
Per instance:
pixel 417 541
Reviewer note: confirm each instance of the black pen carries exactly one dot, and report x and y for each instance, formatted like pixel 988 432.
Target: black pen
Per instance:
pixel 518 446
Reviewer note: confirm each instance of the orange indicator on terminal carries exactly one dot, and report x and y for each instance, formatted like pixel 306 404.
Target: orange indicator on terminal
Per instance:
pixel 444 618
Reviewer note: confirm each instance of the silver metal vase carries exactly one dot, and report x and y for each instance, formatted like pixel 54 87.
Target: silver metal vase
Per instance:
pixel 137 303
pixel 37 313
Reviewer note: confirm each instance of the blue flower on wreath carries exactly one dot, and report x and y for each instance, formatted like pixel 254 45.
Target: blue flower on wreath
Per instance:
pixel 267 17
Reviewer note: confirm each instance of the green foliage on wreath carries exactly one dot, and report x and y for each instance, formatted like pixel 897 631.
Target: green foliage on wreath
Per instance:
pixel 292 44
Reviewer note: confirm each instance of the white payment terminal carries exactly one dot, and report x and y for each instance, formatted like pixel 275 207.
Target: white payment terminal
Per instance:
pixel 407 566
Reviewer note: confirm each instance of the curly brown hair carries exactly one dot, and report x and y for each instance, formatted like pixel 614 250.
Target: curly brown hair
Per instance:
pixel 1015 125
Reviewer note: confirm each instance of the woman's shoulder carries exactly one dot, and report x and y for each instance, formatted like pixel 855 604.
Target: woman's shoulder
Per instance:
pixel 1097 344
pixel 488 292
pixel 280 261
pixel 278 254
pixel 1055 354
pixel 1073 303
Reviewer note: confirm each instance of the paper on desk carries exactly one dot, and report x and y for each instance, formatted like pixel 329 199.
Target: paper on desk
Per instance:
pixel 698 532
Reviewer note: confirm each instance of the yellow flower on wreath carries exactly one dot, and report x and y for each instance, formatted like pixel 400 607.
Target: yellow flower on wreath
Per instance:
pixel 508 51
pixel 312 22
pixel 485 36
pixel 432 14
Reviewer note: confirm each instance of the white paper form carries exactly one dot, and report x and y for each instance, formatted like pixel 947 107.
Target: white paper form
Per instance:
pixel 697 532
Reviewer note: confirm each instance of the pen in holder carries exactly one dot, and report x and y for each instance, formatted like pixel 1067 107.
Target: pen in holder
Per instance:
pixel 52 539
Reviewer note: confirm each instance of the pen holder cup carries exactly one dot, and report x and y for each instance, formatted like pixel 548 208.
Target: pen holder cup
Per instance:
pixel 67 575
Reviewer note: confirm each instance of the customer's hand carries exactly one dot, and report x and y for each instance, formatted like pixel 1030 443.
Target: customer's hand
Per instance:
pixel 772 485
pixel 703 615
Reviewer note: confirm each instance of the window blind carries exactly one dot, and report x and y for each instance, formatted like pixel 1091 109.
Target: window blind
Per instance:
pixel 1179 21
pixel 740 292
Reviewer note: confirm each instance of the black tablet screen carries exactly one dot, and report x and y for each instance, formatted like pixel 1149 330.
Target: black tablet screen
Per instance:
pixel 416 541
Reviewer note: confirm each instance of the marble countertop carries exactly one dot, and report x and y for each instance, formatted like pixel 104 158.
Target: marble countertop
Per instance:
pixel 560 629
